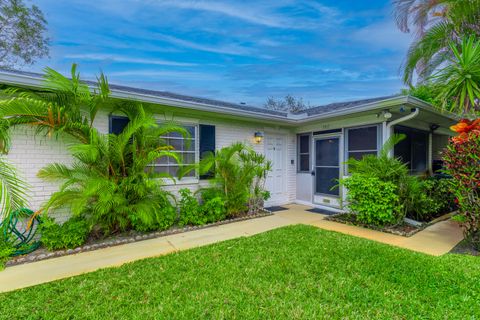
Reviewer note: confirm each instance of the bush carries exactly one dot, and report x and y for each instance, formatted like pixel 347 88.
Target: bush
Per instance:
pixel 462 162
pixel 189 208
pixel 191 212
pixel 374 201
pixel 6 251
pixel 73 233
pixel 214 209
pixel 162 218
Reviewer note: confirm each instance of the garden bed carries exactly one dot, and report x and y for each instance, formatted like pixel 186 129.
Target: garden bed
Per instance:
pixel 402 229
pixel 464 247
pixel 124 238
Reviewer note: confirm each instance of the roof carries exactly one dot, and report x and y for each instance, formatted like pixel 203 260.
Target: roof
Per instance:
pixel 337 106
pixel 164 94
pixel 23 78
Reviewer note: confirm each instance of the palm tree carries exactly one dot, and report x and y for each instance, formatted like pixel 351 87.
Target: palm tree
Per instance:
pixel 63 105
pixel 459 79
pixel 436 23
pixel 12 188
pixel 110 182
pixel 239 175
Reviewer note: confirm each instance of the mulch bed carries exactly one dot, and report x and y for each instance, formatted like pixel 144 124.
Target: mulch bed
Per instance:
pixel 464 247
pixel 402 229
pixel 128 237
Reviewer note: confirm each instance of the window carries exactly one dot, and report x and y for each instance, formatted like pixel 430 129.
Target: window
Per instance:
pixel 186 148
pixel 413 149
pixel 117 124
pixel 362 141
pixel 303 142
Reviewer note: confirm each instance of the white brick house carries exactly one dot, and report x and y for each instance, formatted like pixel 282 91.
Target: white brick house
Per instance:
pixel 307 150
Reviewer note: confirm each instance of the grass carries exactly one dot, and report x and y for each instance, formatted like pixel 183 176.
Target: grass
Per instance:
pixel 290 273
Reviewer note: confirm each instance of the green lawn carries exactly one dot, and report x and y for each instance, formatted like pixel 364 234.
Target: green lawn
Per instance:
pixel 293 272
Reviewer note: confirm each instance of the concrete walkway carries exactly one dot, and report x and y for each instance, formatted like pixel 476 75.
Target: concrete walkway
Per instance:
pixel 435 240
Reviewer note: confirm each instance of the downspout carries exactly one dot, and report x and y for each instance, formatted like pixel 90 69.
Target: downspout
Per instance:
pixel 388 133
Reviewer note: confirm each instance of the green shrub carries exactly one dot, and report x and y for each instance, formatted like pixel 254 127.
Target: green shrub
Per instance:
pixel 427 199
pixel 162 218
pixel 73 233
pixel 189 208
pixel 214 209
pixel 374 201
pixel 6 251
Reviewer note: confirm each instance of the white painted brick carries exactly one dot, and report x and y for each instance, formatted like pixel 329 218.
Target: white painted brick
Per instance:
pixel 30 153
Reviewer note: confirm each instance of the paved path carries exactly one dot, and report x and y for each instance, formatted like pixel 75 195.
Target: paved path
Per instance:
pixel 435 240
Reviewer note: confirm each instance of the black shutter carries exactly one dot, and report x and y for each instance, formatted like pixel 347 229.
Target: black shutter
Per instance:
pixel 117 124
pixel 207 144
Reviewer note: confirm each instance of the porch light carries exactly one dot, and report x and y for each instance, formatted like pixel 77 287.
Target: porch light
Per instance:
pixel 258 136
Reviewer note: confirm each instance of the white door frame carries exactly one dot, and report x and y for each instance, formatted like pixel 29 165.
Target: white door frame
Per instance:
pixel 323 199
pixel 284 198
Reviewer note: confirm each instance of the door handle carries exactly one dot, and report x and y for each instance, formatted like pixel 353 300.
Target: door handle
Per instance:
pixel 312 173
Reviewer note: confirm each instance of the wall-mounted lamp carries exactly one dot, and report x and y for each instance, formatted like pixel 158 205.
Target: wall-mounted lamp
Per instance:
pixel 258 136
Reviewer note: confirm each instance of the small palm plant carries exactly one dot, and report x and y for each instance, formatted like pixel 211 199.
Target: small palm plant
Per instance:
pixel 239 175
pixel 110 182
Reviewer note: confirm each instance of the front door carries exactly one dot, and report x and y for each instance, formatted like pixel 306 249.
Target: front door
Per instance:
pixel 327 171
pixel 275 182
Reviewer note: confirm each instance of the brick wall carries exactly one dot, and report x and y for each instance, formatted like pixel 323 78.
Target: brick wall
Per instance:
pixel 30 153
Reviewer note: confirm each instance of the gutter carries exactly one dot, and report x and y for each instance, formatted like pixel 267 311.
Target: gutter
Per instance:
pixel 387 133
pixel 34 80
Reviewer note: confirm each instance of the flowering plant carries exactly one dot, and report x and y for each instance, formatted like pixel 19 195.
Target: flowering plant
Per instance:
pixel 462 162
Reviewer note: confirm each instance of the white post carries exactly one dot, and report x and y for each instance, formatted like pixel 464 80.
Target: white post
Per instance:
pixel 430 154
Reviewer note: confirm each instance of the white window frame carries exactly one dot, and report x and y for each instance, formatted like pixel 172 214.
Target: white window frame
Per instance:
pixel 299 154
pixel 196 152
pixel 347 151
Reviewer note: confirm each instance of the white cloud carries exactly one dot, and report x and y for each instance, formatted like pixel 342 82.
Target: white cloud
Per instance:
pixel 231 49
pixel 383 35
pixel 118 58
pixel 165 74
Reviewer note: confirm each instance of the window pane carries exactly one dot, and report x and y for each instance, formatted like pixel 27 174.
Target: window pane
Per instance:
pixel 190 174
pixel 162 160
pixel 419 152
pixel 326 179
pixel 327 152
pixel 158 169
pixel 359 155
pixel 189 145
pixel 413 149
pixel 188 158
pixel 305 162
pixel 177 144
pixel 362 139
pixel 304 144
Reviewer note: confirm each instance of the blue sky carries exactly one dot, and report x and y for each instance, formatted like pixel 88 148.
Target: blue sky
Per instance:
pixel 238 51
